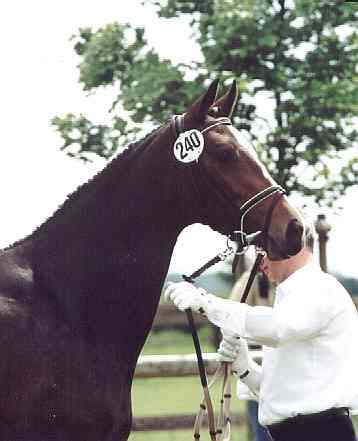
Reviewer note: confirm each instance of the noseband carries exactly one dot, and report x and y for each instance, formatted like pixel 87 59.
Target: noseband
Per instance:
pixel 240 236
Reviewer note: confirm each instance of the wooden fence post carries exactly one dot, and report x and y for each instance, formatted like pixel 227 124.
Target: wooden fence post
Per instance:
pixel 322 229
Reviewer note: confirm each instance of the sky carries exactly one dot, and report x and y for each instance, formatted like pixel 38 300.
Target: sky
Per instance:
pixel 39 80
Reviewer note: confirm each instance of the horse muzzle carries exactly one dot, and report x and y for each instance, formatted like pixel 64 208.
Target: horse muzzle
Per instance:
pixel 294 237
pixel 287 246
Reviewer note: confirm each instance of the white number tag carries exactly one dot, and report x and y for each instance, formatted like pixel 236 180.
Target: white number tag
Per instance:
pixel 189 146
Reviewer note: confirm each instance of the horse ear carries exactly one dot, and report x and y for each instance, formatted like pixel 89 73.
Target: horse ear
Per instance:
pixel 200 108
pixel 226 104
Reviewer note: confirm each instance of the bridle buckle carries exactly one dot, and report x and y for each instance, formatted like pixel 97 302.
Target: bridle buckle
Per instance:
pixel 244 240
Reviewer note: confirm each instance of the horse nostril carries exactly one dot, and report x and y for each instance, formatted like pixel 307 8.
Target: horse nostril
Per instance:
pixel 294 234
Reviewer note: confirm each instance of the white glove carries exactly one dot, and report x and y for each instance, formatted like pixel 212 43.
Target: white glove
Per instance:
pixel 234 349
pixel 223 313
pixel 185 295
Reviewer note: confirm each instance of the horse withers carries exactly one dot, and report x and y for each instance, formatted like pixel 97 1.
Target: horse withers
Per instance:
pixel 78 296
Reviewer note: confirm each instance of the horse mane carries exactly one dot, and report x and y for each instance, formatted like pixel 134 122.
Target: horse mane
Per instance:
pixel 119 163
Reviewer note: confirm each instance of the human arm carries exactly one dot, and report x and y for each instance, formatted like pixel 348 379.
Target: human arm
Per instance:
pixel 295 318
pixel 227 314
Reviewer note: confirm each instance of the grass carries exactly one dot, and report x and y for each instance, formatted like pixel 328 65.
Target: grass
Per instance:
pixel 175 396
pixel 169 396
pixel 177 342
pixel 184 435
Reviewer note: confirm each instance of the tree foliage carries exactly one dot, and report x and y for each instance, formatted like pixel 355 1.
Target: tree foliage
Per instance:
pixel 301 55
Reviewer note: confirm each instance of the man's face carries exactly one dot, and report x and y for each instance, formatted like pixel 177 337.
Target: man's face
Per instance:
pixel 278 270
pixel 275 270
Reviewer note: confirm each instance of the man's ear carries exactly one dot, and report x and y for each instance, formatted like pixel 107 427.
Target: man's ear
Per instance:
pixel 226 104
pixel 199 110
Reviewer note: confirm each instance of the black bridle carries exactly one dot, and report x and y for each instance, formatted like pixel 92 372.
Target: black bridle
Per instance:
pixel 240 236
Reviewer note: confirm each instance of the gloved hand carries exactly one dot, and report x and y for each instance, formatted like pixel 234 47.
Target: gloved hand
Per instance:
pixel 185 295
pixel 223 313
pixel 234 349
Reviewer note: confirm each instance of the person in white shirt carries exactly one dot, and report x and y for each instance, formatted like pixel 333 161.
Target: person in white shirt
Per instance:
pixel 307 386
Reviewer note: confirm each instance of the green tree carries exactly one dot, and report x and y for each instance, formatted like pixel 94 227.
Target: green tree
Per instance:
pixel 301 55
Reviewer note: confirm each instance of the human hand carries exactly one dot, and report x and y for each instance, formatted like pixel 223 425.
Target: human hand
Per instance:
pixel 234 349
pixel 185 295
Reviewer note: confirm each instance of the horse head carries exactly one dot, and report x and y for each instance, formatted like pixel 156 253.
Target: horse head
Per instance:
pixel 233 189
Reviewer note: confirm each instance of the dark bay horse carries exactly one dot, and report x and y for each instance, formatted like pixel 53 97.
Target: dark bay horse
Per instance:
pixel 78 296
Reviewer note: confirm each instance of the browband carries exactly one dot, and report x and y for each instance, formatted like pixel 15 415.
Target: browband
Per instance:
pixel 178 124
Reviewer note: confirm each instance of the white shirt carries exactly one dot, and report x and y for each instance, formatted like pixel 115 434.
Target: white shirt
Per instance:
pixel 310 361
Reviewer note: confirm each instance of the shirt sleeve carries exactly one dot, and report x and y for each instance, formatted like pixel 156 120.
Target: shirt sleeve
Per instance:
pixel 260 326
pixel 296 317
pixel 243 392
pixel 227 314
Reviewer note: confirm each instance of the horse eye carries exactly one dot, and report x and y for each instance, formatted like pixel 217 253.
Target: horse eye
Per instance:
pixel 226 154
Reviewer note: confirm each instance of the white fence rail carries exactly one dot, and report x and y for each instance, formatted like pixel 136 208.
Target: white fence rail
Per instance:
pixel 155 366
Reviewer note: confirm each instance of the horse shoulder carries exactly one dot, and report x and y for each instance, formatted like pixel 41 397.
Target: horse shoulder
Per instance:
pixel 16 274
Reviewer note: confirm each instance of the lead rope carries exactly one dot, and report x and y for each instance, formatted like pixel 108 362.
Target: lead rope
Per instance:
pixel 206 405
pixel 226 401
pixel 224 420
pixel 202 407
pixel 223 429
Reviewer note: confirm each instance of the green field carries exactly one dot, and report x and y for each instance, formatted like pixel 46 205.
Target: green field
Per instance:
pixel 177 342
pixel 169 396
pixel 172 396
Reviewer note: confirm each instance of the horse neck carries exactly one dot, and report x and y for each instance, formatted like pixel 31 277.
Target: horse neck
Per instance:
pixel 106 253
pixel 141 197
